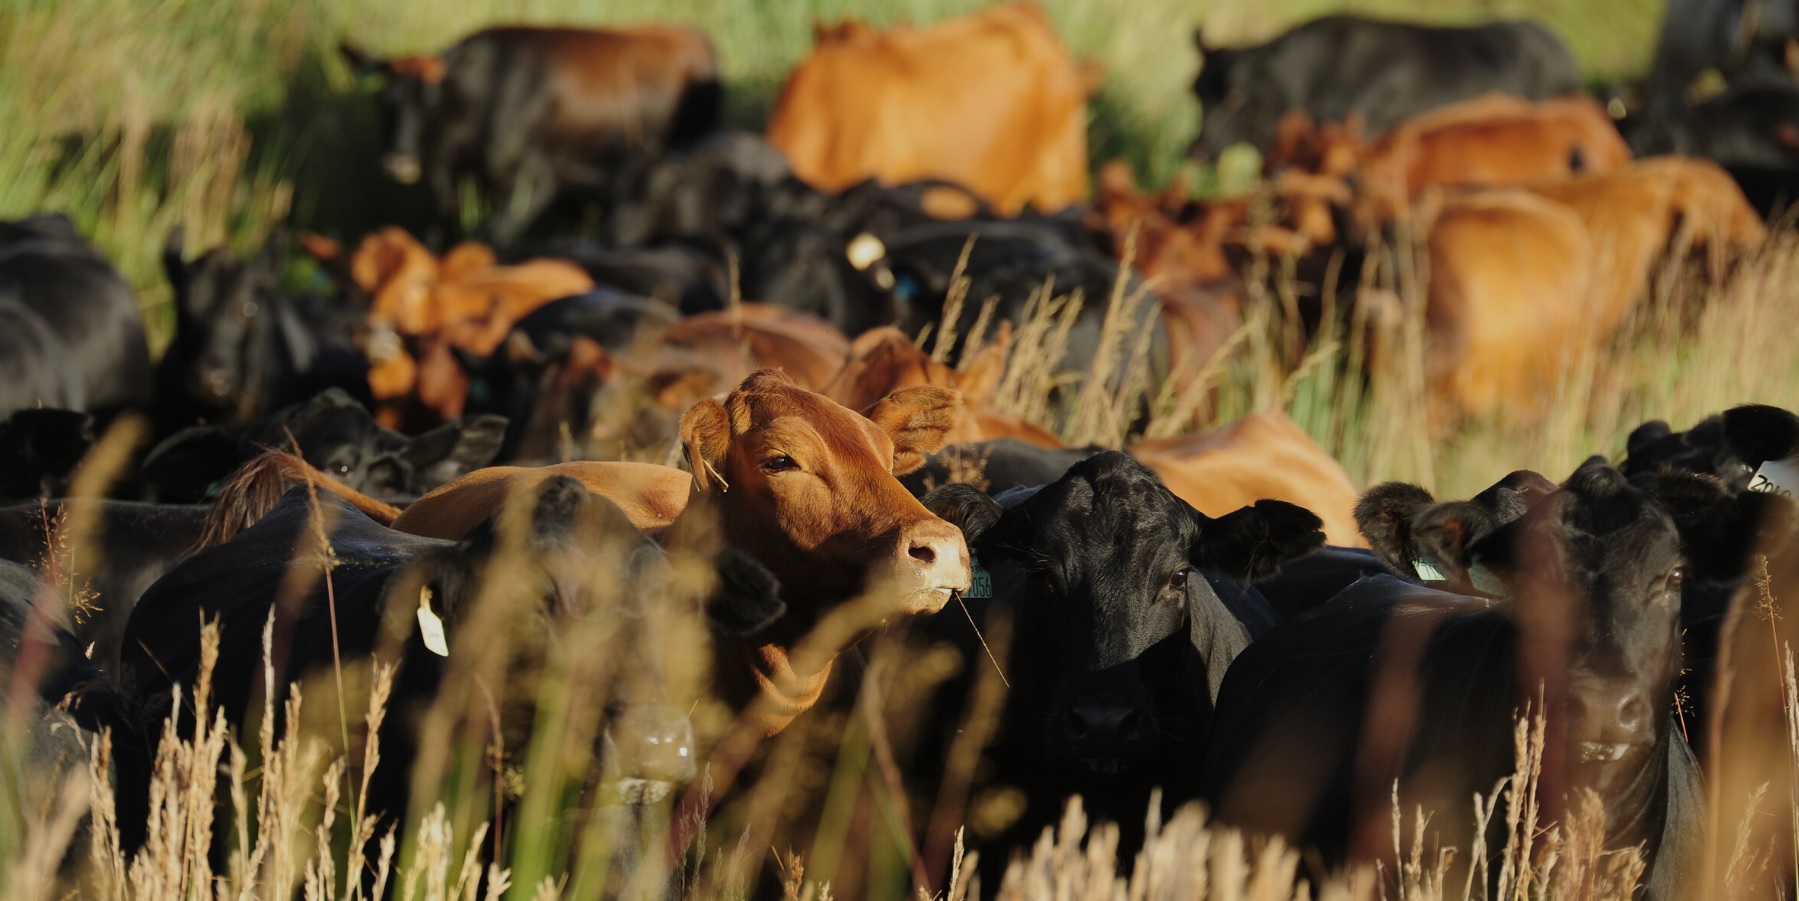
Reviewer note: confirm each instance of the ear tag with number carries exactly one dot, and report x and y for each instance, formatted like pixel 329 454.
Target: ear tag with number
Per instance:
pixel 431 627
pixel 1777 477
pixel 1428 572
pixel 980 581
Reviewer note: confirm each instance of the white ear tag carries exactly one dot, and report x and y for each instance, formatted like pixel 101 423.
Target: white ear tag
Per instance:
pixel 1777 477
pixel 863 250
pixel 1485 581
pixel 1428 572
pixel 980 581
pixel 431 628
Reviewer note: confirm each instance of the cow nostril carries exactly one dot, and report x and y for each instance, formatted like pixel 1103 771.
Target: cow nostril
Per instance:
pixel 1633 712
pixel 1077 725
pixel 1127 724
pixel 924 553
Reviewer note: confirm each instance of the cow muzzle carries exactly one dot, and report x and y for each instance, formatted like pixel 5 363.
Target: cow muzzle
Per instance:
pixel 402 167
pixel 649 751
pixel 938 557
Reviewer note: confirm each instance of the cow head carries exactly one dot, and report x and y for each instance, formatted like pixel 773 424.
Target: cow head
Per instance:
pixel 560 568
pixel 338 436
pixel 224 323
pixel 1420 538
pixel 1731 445
pixel 1592 573
pixel 413 94
pixel 807 487
pixel 1104 568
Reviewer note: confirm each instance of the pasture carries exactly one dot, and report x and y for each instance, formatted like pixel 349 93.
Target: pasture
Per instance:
pixel 241 123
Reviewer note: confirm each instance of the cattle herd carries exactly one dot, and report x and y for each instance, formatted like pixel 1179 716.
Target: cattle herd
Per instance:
pixel 713 409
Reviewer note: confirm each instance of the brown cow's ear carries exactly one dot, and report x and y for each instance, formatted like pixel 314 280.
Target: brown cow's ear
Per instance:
pixel 918 420
pixel 705 434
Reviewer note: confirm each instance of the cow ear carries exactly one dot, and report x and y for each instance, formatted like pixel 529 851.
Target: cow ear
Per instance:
pixel 185 465
pixel 174 263
pixel 705 435
pixel 748 597
pixel 918 420
pixel 1758 433
pixel 1254 542
pixel 1384 516
pixel 362 62
pixel 966 507
pixel 1512 496
pixel 455 448
pixel 37 445
pixel 1445 534
pixel 1645 435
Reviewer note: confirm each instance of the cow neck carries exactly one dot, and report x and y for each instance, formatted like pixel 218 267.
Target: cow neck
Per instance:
pixel 758 674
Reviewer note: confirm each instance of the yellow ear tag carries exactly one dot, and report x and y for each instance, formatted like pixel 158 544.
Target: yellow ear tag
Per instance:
pixel 431 628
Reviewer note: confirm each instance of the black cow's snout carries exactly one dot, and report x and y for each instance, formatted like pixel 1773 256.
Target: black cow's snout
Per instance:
pixel 1105 729
pixel 653 742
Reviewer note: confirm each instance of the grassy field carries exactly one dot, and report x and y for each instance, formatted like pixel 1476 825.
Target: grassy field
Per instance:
pixel 230 117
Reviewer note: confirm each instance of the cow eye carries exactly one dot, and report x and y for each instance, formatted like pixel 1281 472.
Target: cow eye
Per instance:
pixel 1179 579
pixel 343 469
pixel 1676 577
pixel 779 464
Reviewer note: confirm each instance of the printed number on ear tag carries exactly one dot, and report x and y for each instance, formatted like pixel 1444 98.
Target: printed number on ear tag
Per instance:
pixel 1776 477
pixel 1428 572
pixel 980 581
pixel 431 628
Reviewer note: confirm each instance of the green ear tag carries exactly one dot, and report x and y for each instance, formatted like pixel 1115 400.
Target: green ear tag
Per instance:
pixel 1428 571
pixel 980 581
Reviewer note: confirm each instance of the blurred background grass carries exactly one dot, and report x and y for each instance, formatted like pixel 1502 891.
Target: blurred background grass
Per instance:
pixel 230 116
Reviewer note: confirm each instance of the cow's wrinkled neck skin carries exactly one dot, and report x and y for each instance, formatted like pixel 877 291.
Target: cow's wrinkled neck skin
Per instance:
pixel 764 676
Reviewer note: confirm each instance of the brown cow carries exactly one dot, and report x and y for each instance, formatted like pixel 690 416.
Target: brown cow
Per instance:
pixel 1263 455
pixel 884 360
pixel 992 101
pixel 465 301
pixel 1511 301
pixel 801 484
pixel 1491 140
pixel 1635 215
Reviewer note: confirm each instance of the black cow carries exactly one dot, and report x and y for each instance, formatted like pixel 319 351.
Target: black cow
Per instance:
pixel 1753 124
pixel 242 348
pixel 39 450
pixel 1004 464
pixel 1010 260
pixel 1384 71
pixel 1396 681
pixel 712 190
pixel 1741 39
pixel 55 699
pixel 530 379
pixel 1119 638
pixel 530 113
pixel 36 367
pixel 87 303
pixel 104 554
pixel 561 565
pixel 337 435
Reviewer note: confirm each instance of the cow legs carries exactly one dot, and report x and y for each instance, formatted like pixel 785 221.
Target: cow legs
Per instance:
pixel 526 196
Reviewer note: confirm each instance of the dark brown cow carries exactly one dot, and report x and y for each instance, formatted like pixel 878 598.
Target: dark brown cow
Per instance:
pixel 531 112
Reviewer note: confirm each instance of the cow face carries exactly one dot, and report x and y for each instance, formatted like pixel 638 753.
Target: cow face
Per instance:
pixel 410 99
pixel 564 565
pixel 336 434
pixel 224 311
pixel 1593 572
pixel 807 486
pixel 1104 568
